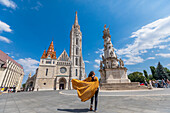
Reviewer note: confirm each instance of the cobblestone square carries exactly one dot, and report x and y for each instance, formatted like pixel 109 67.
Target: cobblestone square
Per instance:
pixel 66 101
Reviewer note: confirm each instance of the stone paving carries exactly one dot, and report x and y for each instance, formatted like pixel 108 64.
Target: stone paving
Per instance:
pixel 66 101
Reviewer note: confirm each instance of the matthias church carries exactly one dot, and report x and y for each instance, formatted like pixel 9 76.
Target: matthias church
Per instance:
pixel 56 73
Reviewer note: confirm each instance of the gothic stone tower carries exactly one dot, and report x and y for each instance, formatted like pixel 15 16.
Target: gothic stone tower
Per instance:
pixel 112 69
pixel 46 71
pixel 78 66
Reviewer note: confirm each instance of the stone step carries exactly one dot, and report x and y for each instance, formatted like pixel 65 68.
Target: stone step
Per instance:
pixel 121 86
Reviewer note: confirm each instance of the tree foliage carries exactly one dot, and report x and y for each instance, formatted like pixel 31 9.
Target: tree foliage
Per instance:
pixel 153 71
pixel 151 77
pixel 23 85
pixel 167 72
pixel 160 72
pixel 136 77
pixel 146 74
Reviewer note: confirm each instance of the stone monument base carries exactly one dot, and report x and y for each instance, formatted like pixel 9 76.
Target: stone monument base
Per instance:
pixel 122 86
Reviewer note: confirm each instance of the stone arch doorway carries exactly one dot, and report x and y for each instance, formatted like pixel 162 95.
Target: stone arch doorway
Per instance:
pixel 30 86
pixel 62 83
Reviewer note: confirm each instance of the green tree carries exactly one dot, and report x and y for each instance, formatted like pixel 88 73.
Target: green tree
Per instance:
pixel 136 77
pixel 160 72
pixel 146 74
pixel 168 72
pixel 153 71
pixel 23 85
pixel 151 77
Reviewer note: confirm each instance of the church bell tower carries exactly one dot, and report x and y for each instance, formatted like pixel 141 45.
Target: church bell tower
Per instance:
pixel 78 66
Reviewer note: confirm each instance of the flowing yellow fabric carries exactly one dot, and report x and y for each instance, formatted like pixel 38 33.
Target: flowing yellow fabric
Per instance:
pixel 85 89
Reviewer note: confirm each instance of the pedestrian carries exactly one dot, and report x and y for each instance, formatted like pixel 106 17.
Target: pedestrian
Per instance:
pixel 2 89
pixel 167 83
pixel 153 83
pixel 163 83
pixel 88 89
pixel 150 84
pixel 146 84
pixel 156 84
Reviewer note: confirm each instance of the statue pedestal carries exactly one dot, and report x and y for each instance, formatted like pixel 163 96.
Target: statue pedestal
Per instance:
pixel 122 86
pixel 114 75
pixel 116 79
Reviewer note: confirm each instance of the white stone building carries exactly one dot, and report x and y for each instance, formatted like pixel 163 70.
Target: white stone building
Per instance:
pixel 11 73
pixel 56 73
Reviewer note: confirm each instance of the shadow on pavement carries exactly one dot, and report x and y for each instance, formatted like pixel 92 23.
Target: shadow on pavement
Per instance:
pixel 74 110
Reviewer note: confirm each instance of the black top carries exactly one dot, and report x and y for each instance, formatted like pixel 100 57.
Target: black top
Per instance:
pixel 92 78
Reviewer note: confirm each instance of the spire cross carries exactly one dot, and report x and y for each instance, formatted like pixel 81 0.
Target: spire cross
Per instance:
pixel 76 19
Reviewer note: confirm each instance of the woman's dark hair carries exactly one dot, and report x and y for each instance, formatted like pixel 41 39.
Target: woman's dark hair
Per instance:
pixel 91 73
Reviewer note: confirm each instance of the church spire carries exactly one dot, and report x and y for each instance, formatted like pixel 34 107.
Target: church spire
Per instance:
pixel 51 47
pixel 44 54
pixel 50 52
pixel 76 20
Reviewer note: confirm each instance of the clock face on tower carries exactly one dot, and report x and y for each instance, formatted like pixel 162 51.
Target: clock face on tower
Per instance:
pixel 63 69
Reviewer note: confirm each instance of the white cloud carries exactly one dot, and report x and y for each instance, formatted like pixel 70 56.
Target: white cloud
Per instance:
pixel 4 39
pixel 133 60
pixel 144 51
pixel 7 53
pixel 148 37
pixel 129 72
pixel 95 66
pixel 168 64
pixel 4 27
pixel 29 65
pixel 150 58
pixel 87 61
pixel 100 51
pixel 97 61
pixel 162 46
pixel 8 3
pixel 165 55
pixel 38 6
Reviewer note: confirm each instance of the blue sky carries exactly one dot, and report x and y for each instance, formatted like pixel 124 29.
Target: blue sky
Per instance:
pixel 140 30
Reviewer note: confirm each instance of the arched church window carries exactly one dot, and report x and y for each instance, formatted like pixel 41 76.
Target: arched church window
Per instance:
pixel 77 41
pixel 46 72
pixel 77 51
pixel 77 61
pixel 76 72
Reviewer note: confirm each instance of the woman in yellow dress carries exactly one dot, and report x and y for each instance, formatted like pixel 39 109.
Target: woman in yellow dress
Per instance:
pixel 87 88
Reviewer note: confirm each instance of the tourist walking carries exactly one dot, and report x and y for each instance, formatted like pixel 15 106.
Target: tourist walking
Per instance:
pixel 87 89
pixel 150 84
pixel 156 83
pixel 167 83
pixel 146 84
pixel 153 83
pixel 163 83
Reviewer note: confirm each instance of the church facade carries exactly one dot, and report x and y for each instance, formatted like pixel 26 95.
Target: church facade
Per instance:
pixel 56 73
